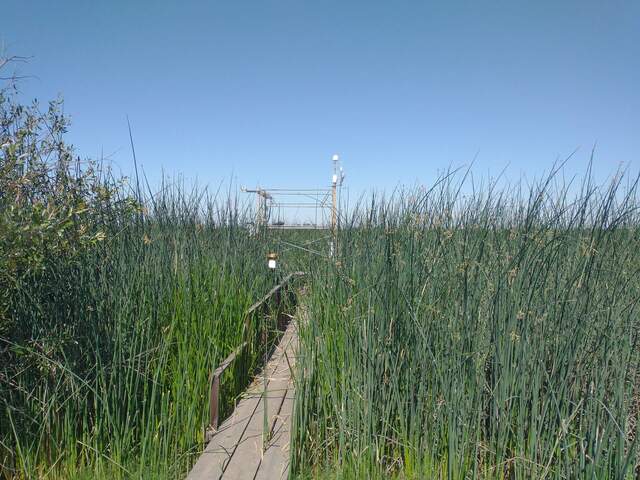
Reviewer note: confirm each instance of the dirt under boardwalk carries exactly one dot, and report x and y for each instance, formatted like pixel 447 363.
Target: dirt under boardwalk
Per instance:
pixel 237 450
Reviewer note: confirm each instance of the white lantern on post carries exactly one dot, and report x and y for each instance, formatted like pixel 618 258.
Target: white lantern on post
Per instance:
pixel 271 260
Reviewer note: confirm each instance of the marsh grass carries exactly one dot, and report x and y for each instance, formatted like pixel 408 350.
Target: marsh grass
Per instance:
pixel 112 378
pixel 490 335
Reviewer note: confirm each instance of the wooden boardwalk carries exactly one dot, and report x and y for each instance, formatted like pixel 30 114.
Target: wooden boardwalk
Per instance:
pixel 254 442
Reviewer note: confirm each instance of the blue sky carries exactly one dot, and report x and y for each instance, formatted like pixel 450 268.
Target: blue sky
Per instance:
pixel 267 91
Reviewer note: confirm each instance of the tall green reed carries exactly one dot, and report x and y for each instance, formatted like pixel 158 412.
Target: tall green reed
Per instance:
pixel 141 320
pixel 486 335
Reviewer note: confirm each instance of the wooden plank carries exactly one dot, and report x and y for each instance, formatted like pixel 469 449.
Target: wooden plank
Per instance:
pixel 248 455
pixel 221 448
pixel 213 460
pixel 235 451
pixel 275 461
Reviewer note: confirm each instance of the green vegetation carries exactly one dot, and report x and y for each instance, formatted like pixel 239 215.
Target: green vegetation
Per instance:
pixel 487 336
pixel 493 335
pixel 113 310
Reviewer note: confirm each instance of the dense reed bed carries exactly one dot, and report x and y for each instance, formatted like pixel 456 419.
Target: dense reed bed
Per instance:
pixel 107 374
pixel 115 306
pixel 487 335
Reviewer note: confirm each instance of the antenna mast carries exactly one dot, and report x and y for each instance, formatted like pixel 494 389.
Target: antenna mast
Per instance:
pixel 334 205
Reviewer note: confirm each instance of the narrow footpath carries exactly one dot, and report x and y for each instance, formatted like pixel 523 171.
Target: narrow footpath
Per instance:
pixel 242 448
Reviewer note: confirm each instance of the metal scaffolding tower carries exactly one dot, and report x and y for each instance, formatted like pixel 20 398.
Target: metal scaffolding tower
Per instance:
pixel 324 203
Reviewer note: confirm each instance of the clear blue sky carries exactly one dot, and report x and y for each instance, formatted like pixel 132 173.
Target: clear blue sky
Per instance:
pixel 268 90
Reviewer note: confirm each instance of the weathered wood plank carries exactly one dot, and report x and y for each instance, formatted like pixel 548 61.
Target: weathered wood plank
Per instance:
pixel 213 460
pixel 248 454
pixel 275 461
pixel 222 446
pixel 236 449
